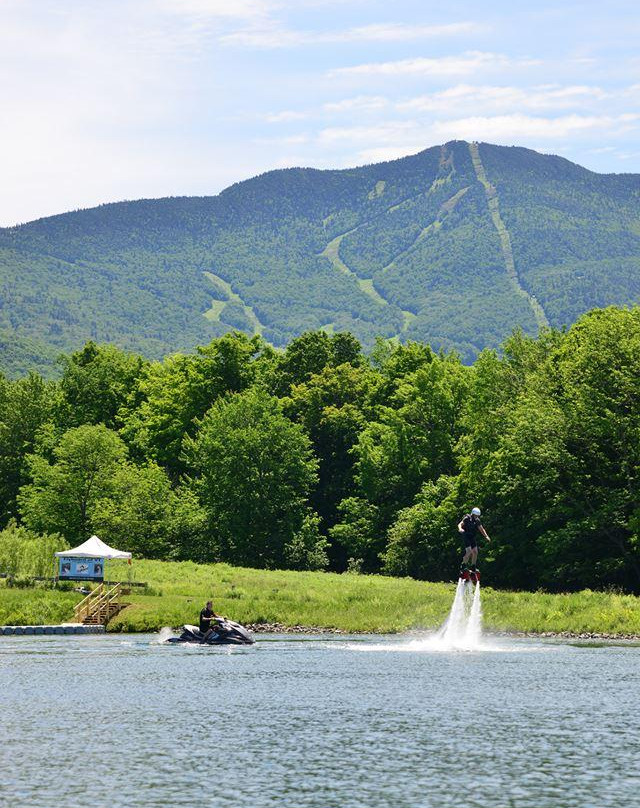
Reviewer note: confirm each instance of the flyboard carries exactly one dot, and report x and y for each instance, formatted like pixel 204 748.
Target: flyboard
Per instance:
pixel 470 575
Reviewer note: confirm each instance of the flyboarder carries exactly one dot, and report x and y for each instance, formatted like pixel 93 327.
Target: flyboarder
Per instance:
pixel 469 527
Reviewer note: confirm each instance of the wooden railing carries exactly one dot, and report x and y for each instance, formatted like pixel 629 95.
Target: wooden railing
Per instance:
pixel 99 606
pixel 85 605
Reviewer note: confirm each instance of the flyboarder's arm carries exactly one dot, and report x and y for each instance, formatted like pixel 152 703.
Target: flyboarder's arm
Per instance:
pixel 461 526
pixel 484 533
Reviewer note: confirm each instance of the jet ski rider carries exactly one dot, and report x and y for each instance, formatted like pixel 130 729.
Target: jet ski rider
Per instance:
pixel 469 526
pixel 207 616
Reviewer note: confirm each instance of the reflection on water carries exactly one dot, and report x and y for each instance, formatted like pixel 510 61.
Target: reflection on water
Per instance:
pixel 359 722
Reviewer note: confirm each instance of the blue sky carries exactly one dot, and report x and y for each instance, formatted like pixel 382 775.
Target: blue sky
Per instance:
pixel 105 100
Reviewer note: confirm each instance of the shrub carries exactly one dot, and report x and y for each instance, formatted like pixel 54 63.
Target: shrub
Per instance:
pixel 24 553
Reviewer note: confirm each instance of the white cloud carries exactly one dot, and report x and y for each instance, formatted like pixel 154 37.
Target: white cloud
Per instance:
pixel 272 35
pixel 496 102
pixel 399 32
pixel 469 62
pixel 503 98
pixel 287 140
pixel 360 103
pixel 92 106
pixel 286 116
pixel 216 9
pixel 382 154
pixel 393 139
pixel 384 133
pixel 583 61
pixel 513 127
pixel 269 35
pixel 347 106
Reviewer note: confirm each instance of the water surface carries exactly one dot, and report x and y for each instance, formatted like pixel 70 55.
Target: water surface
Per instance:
pixel 361 722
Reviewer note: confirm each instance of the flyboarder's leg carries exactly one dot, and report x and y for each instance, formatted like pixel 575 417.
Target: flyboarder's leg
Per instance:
pixel 465 558
pixel 474 558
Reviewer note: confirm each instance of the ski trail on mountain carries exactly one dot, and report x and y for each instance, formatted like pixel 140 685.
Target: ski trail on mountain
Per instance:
pixel 445 209
pixel 332 252
pixel 217 305
pixel 505 239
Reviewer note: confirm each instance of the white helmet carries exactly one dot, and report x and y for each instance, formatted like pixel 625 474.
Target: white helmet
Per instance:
pixel 476 511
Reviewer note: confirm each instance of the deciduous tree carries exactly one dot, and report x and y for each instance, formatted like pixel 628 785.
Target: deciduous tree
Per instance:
pixel 255 471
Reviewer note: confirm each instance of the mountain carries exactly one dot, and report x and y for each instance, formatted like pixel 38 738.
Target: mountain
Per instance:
pixel 456 245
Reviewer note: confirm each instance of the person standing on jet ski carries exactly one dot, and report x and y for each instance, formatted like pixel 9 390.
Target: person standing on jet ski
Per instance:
pixel 207 616
pixel 469 526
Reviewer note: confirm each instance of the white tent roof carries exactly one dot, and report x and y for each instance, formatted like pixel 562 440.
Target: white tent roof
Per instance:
pixel 94 548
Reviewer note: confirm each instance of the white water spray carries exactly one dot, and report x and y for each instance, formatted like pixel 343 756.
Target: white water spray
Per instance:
pixel 473 634
pixel 463 627
pixel 163 636
pixel 454 626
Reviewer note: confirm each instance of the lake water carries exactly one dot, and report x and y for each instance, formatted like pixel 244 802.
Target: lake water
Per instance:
pixel 362 722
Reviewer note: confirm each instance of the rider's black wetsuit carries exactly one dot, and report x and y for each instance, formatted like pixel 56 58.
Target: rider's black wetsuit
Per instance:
pixel 470 525
pixel 205 625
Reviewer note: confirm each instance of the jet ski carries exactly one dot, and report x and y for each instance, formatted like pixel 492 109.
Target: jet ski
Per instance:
pixel 225 632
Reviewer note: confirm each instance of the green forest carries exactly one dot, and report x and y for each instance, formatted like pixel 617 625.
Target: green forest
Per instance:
pixel 454 246
pixel 327 456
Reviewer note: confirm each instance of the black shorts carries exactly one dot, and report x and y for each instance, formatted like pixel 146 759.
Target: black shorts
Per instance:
pixel 204 627
pixel 469 541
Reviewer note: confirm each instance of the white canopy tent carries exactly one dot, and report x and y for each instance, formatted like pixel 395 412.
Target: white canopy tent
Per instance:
pixel 87 563
pixel 93 548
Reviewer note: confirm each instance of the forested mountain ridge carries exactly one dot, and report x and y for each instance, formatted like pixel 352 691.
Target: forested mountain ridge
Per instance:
pixel 455 246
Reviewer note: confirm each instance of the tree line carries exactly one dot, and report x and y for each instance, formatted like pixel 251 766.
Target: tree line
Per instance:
pixel 324 457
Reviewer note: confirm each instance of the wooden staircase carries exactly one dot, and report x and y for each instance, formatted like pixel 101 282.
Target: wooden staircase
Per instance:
pixel 99 606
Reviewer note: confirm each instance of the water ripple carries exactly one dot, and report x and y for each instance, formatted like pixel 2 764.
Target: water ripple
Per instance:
pixel 316 723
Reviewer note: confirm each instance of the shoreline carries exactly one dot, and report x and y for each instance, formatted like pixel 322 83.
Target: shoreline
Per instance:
pixel 326 631
pixel 329 604
pixel 279 628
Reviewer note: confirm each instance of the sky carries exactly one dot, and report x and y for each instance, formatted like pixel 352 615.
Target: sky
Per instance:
pixel 104 100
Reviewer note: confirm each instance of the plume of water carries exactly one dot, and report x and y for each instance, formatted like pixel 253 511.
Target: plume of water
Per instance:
pixel 163 635
pixel 473 634
pixel 455 625
pixel 463 627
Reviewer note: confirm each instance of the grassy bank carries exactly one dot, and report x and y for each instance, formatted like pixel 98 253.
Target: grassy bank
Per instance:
pixel 178 590
pixel 27 607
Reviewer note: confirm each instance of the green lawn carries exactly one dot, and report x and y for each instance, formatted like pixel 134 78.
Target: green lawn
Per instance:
pixel 178 590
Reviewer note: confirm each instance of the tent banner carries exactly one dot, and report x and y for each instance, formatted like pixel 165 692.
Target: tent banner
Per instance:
pixel 81 569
